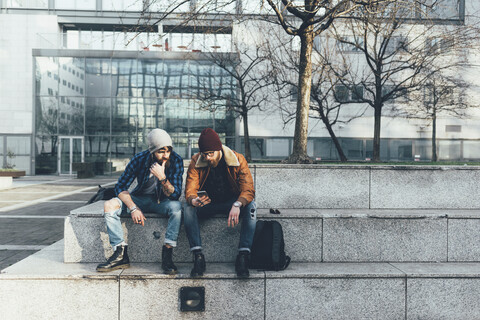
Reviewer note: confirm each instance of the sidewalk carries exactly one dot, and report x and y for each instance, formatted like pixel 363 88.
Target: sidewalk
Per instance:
pixel 32 212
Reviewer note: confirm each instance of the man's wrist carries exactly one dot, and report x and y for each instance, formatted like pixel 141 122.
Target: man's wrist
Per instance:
pixel 133 209
pixel 237 204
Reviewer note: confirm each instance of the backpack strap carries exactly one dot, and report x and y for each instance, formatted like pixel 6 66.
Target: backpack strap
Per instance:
pixel 258 230
pixel 276 239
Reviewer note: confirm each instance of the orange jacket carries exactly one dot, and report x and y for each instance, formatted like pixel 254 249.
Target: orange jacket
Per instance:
pixel 239 176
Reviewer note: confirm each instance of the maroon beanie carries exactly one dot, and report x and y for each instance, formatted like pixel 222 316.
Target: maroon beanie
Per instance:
pixel 209 141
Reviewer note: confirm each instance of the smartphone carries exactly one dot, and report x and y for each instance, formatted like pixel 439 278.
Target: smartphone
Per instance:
pixel 202 193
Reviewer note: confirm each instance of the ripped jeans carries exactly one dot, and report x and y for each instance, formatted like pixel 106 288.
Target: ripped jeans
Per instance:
pixel 148 204
pixel 248 214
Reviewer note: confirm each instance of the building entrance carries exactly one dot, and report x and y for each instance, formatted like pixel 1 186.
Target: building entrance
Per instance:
pixel 70 150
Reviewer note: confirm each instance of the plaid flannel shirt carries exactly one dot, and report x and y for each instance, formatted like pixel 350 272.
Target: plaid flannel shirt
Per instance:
pixel 139 168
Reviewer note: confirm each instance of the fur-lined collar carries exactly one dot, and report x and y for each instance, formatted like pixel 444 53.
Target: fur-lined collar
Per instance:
pixel 230 158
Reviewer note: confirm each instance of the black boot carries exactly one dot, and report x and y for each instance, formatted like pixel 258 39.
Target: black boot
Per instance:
pixel 199 265
pixel 241 264
pixel 119 260
pixel 167 261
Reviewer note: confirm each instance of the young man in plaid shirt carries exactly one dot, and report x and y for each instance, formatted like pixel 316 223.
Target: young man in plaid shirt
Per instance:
pixel 159 172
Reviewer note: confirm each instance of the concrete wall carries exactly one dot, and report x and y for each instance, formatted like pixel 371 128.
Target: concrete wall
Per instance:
pixel 19 35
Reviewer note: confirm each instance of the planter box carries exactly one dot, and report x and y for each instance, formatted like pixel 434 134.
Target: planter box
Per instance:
pixel 13 174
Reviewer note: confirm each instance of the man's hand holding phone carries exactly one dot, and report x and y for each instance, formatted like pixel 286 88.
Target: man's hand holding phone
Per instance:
pixel 202 199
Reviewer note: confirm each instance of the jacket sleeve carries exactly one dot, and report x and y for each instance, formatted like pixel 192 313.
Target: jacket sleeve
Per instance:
pixel 176 180
pixel 245 182
pixel 193 181
pixel 127 177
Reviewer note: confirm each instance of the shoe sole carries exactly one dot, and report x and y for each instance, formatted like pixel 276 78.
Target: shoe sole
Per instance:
pixel 171 273
pixel 197 275
pixel 123 266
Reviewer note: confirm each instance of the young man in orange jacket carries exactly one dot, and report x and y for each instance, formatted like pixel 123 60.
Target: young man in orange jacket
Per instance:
pixel 226 178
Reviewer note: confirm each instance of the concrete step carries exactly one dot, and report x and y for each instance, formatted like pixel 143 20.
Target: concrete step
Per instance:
pixel 43 287
pixel 311 235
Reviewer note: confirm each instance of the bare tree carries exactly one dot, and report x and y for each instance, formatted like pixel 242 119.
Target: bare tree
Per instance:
pixel 442 95
pixel 284 72
pixel 396 56
pixel 307 20
pixel 246 66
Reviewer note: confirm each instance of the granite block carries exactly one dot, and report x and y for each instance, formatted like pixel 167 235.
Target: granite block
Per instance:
pixel 337 270
pixel 463 239
pixel 301 187
pixel 335 298
pixel 43 287
pixel 86 239
pixel 159 298
pixel 443 299
pixel 303 238
pixel 58 299
pixel 377 239
pixel 439 270
pixel 451 188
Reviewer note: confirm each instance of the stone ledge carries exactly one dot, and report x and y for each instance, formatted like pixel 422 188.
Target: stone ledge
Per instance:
pixel 47 264
pixel 95 210
pixel 304 290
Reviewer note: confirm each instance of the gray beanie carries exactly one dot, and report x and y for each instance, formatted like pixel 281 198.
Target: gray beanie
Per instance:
pixel 157 139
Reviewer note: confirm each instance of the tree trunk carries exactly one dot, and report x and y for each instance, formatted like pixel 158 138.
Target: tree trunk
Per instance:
pixel 376 134
pixel 246 137
pixel 299 154
pixel 434 136
pixel 327 124
pixel 341 154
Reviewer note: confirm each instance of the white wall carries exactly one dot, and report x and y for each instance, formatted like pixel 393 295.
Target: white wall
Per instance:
pixel 17 38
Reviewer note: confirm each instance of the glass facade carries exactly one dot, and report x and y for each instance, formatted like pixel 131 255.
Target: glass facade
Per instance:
pixel 113 103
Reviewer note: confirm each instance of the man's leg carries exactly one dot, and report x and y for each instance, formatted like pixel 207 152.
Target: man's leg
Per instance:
pixel 119 259
pixel 173 210
pixel 191 216
pixel 248 215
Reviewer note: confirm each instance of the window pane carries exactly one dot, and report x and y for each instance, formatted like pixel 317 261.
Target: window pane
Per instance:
pixel 122 5
pixel 71 116
pixel 125 117
pixel 76 4
pixel 176 115
pixel 401 150
pixel 27 4
pixel 98 77
pixel 19 145
pixel 46 115
pixel 423 148
pixel 449 150
pixel 124 77
pixel 97 149
pixel 167 6
pixel 97 114
pixel 277 147
pixel 46 76
pixel 471 150
pixel 46 154
pixel 72 76
pixel 124 148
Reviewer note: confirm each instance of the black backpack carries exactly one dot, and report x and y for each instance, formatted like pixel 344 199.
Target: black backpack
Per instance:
pixel 268 248
pixel 103 194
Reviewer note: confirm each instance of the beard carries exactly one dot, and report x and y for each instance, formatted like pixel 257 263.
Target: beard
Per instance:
pixel 214 162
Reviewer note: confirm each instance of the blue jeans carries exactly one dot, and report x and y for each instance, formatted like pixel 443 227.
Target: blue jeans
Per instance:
pixel 146 203
pixel 248 214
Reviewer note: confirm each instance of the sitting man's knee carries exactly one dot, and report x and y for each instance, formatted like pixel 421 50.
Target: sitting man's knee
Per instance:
pixel 175 207
pixel 111 205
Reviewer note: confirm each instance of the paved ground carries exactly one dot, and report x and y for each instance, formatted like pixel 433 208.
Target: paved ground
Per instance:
pixel 32 212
